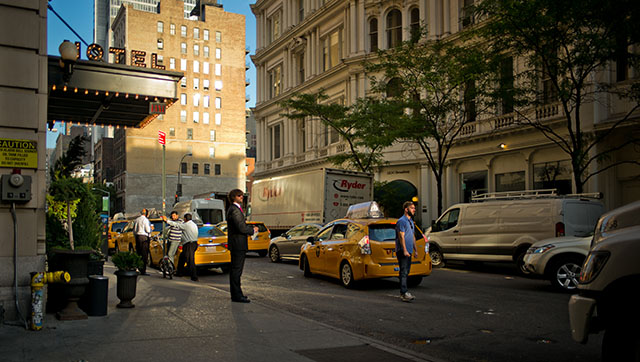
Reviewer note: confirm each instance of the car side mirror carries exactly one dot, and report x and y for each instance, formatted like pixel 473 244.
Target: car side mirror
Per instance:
pixel 287 236
pixel 311 240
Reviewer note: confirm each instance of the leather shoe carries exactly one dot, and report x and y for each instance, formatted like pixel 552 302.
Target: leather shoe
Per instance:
pixel 241 300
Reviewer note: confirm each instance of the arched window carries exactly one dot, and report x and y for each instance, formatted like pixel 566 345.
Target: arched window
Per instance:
pixel 394 87
pixel 394 28
pixel 415 25
pixel 373 34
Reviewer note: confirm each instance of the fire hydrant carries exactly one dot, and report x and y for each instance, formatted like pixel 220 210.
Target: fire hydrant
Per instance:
pixel 38 280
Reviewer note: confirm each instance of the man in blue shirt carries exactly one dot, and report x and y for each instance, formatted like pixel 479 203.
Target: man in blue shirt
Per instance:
pixel 405 247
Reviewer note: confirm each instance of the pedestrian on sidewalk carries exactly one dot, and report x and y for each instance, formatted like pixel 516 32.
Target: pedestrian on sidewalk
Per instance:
pixel 173 235
pixel 405 247
pixel 237 233
pixel 142 232
pixel 189 242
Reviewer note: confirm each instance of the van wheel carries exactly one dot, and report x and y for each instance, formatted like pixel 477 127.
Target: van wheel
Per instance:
pixel 437 260
pixel 520 261
pixel 346 275
pixel 564 272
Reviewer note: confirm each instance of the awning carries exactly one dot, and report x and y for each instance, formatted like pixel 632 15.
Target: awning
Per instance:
pixel 99 93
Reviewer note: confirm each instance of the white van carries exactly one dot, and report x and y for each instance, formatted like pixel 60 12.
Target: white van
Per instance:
pixel 203 211
pixel 502 226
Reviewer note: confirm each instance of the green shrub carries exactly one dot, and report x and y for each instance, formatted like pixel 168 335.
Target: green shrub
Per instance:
pixel 127 261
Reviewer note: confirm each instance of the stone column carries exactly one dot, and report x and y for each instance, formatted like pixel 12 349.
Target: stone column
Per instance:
pixel 352 28
pixel 447 18
pixel 361 19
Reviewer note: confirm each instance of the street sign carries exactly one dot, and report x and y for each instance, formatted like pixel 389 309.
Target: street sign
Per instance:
pixel 162 137
pixel 105 203
pixel 157 107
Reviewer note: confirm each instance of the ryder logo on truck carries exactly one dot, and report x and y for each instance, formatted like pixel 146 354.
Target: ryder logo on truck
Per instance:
pixel 346 186
pixel 269 192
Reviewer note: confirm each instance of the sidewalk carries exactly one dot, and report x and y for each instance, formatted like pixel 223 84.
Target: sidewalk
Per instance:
pixel 176 320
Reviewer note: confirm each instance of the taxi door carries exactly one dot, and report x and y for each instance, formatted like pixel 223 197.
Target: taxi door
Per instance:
pixel 316 254
pixel 335 248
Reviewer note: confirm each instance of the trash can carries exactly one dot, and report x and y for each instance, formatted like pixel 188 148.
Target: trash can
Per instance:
pixel 98 295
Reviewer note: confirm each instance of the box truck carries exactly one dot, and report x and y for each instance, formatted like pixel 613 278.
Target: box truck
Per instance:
pixel 316 196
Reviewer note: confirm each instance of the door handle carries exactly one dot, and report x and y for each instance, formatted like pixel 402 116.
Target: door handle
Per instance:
pixel 455 231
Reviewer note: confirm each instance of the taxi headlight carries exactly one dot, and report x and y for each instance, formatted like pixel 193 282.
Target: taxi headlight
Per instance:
pixel 593 265
pixel 365 245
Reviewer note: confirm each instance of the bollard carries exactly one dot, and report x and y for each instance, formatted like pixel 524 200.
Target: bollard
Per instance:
pixel 38 280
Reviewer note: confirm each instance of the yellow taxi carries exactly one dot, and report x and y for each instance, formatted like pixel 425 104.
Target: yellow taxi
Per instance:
pixel 126 240
pixel 359 247
pixel 115 228
pixel 259 244
pixel 212 252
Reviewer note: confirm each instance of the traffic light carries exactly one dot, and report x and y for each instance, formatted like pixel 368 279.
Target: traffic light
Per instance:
pixel 176 201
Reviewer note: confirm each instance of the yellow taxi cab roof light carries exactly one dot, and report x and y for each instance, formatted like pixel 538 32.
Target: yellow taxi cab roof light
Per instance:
pixel 364 210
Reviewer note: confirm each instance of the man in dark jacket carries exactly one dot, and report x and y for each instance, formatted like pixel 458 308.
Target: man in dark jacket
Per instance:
pixel 237 232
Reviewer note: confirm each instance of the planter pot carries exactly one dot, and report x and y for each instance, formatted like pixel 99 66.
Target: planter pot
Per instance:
pixel 126 287
pixel 95 267
pixel 74 262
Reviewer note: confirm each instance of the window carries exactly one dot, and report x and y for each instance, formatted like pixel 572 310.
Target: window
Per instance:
pixel 218 37
pixel 183 82
pixel 183 64
pixel 414 25
pixel 205 117
pixel 196 49
pixel 206 34
pixel 205 84
pixel 394 28
pixel 448 220
pixel 194 168
pixel 189 133
pixel 196 33
pixel 373 34
pixel 394 87
pixel 470 101
pixel 218 69
pixel 331 50
pixel 172 29
pixel 207 169
pixel 196 117
pixel 183 167
pixel 160 27
pixel 218 53
pixel 275 80
pixel 300 10
pixel 206 101
pixel 183 116
pixel 196 99
pixel 172 63
pixel 183 31
pixel 218 85
pixel 510 181
pixel 183 98
pixel 160 44
pixel 466 16
pixel 172 131
pixel 217 169
pixel 212 152
pixel 273 24
pixel 506 86
pixel 302 136
pixel 212 135
pixel 218 118
pixel 553 175
pixel 205 51
pixel 275 141
pixel 300 68
pixel 205 67
pixel 183 48
pixel 622 57
pixel 196 66
pixel 196 83
pixel 218 102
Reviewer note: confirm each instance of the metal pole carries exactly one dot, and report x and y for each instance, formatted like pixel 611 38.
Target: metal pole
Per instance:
pixel 164 183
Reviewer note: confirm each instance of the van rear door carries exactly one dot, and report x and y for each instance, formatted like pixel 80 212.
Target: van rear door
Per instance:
pixel 580 217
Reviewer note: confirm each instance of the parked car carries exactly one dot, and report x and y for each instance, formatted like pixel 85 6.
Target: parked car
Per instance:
pixel 559 260
pixel 126 240
pixel 212 252
pixel 361 246
pixel 115 228
pixel 287 245
pixel 609 284
pixel 503 226
pixel 259 244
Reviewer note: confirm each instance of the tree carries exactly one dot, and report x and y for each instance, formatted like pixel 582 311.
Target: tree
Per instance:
pixel 367 126
pixel 566 45
pixel 441 87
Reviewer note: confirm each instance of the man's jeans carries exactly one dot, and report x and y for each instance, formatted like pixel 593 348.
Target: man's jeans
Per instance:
pixel 405 267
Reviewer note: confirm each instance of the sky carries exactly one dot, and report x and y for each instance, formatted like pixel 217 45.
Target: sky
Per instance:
pixel 79 15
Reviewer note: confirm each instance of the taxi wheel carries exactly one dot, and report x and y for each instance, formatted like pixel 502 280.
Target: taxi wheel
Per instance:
pixel 346 275
pixel 274 254
pixel 305 266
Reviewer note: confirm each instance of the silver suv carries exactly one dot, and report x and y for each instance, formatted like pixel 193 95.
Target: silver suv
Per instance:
pixel 609 286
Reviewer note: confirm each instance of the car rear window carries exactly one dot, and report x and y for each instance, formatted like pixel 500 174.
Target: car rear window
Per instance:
pixel 157 225
pixel 382 232
pixel 209 231
pixel 118 226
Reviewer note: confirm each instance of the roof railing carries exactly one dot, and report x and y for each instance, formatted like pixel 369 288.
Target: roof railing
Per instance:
pixel 531 194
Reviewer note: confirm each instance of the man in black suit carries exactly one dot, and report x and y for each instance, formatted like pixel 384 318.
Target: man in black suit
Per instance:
pixel 237 232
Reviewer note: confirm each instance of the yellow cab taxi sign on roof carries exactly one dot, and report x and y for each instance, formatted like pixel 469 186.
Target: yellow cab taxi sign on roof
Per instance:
pixel 364 210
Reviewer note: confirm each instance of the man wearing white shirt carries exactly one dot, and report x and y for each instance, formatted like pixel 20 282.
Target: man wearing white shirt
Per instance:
pixel 142 230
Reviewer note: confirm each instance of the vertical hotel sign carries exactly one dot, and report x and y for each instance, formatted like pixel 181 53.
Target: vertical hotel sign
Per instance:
pixel 18 153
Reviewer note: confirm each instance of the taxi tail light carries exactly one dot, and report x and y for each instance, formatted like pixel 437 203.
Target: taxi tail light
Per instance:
pixel 225 245
pixel 559 229
pixel 365 245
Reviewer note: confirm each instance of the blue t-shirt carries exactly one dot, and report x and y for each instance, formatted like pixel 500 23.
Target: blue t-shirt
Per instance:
pixel 405 225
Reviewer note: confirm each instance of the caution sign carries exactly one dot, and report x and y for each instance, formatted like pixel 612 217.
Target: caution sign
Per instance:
pixel 18 153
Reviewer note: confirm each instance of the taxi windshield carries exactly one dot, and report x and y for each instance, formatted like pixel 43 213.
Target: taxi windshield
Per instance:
pixel 382 232
pixel 209 231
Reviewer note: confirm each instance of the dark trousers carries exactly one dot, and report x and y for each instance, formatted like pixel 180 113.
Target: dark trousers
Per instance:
pixel 188 257
pixel 237 265
pixel 405 268
pixel 142 249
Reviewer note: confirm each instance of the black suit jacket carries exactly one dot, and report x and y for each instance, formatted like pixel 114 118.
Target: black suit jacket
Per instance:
pixel 237 229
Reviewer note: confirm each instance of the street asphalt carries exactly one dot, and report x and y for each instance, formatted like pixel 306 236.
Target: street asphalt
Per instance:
pixel 178 319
